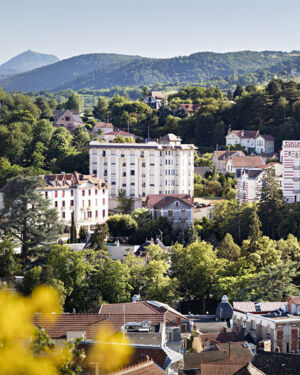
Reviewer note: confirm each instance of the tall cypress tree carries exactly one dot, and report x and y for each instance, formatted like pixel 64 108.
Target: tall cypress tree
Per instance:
pixel 73 231
pixel 254 232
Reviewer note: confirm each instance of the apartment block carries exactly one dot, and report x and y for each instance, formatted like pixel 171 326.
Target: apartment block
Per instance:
pixel 163 167
pixel 291 171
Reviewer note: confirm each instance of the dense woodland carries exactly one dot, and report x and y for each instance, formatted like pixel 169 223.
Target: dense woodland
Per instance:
pixel 102 71
pixel 249 252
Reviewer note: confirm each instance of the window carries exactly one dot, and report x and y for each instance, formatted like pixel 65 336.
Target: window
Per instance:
pixel 72 203
pixel 152 164
pixel 82 203
pixel 94 171
pixel 63 193
pixel 55 194
pixel 113 182
pixel 72 193
pixel 89 203
pixel 124 164
pixel 177 204
pixel 103 202
pixel 55 204
pixel 122 155
pixel 90 214
pixel 46 194
pixel 124 174
pixel 132 183
pixel 103 153
pixel 103 191
pixel 105 172
pixel 63 203
pixel 142 154
pixel 123 185
pixel 90 192
pixel 170 213
pixel 63 215
pixel 96 192
pixel 103 213
pixel 96 213
pixel 132 172
pixel 143 165
pixel 83 193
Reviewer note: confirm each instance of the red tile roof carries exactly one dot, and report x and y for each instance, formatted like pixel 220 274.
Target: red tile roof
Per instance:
pixel 156 94
pixel 245 133
pixel 120 132
pixel 251 307
pixel 163 200
pixel 67 180
pixel 220 368
pixel 149 367
pixel 247 161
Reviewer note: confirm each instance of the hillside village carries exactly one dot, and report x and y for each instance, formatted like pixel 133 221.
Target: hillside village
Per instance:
pixel 168 227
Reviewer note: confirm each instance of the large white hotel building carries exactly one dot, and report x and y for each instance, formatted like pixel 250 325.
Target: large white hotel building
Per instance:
pixel 163 167
pixel 291 171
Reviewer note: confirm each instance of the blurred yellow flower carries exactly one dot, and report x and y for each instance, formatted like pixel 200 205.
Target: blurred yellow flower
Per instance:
pixel 111 351
pixel 16 328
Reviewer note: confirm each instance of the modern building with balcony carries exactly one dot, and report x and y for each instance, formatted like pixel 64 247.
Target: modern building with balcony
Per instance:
pixel 291 171
pixel 163 167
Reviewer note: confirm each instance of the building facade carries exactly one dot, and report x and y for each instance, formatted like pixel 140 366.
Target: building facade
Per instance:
pixel 155 99
pixel 291 171
pixel 251 140
pixel 163 167
pixel 236 164
pixel 84 196
pixel 177 208
pixel 220 158
pixel 68 120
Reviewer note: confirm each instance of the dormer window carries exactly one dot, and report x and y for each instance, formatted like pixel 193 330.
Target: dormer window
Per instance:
pixel 177 204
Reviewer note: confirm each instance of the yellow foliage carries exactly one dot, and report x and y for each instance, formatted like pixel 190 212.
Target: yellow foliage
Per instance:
pixel 111 351
pixel 16 328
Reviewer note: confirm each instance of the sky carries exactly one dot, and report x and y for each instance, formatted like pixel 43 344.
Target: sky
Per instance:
pixel 153 28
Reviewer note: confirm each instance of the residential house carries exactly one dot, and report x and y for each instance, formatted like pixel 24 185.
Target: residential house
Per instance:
pixel 155 99
pixel 163 167
pixel 67 119
pixel 190 108
pixel 142 249
pixel 222 358
pixel 291 171
pixel 235 164
pixel 84 196
pixel 220 158
pixel 249 182
pixel 112 135
pixel 281 327
pixel 103 128
pixel 178 208
pixel 251 140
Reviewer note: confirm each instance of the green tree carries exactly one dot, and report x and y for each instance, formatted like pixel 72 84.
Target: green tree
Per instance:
pixel 81 139
pixel 82 234
pixel 254 230
pixel 73 230
pixel 26 214
pixel 46 112
pixel 74 102
pixel 9 262
pixel 121 225
pixel 228 249
pixel 271 204
pixel 100 110
pixel 98 237
pixel 122 139
pixel 125 204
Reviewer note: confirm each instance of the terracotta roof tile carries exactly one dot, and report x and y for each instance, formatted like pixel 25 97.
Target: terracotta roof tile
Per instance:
pixel 247 162
pixel 149 367
pixel 163 200
pixel 220 368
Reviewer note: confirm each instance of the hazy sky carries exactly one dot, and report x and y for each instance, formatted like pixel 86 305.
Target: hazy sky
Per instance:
pixel 157 28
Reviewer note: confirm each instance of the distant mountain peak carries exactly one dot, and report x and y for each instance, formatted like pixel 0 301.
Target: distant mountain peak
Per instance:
pixel 28 60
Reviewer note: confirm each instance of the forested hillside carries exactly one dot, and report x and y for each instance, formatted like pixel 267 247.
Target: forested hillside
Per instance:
pixel 100 71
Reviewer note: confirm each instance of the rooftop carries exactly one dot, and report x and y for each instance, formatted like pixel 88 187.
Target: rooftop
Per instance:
pixel 163 200
pixel 148 367
pixel 247 162
pixel 258 307
pixel 277 363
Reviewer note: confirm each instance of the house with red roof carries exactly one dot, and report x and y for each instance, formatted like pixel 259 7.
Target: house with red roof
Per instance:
pixel 112 135
pixel 178 208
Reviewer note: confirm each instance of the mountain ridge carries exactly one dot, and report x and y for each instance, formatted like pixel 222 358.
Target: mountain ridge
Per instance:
pixel 104 70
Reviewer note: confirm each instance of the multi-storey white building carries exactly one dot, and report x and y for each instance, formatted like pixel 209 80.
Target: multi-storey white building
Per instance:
pixel 163 167
pixel 84 195
pixel 291 171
